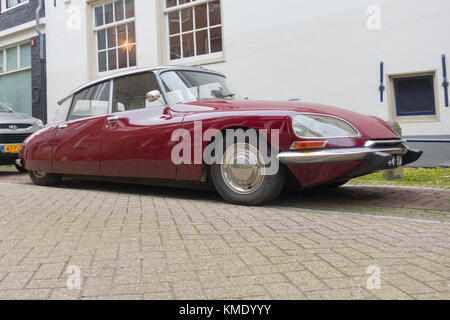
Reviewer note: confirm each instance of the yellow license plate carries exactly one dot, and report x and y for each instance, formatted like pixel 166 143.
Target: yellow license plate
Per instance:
pixel 11 148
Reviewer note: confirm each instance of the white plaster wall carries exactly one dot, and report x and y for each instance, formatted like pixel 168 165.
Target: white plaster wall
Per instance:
pixel 67 54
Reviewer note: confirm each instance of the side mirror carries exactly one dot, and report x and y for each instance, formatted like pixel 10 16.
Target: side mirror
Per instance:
pixel 153 96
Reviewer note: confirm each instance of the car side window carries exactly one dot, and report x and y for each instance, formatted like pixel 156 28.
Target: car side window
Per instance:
pixel 91 102
pixel 130 92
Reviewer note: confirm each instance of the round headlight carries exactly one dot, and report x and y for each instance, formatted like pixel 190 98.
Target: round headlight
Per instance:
pixel 319 126
pixel 39 123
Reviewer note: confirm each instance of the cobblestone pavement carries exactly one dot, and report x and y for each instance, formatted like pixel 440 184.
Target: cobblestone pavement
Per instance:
pixel 139 242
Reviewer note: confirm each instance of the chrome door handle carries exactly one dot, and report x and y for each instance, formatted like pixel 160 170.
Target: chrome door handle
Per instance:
pixel 62 126
pixel 112 119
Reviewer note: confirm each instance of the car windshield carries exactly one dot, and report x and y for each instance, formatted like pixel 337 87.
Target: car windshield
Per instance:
pixel 190 86
pixel 3 108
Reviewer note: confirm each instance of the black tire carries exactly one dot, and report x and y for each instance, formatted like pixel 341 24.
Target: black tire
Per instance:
pixel 45 179
pixel 268 190
pixel 21 169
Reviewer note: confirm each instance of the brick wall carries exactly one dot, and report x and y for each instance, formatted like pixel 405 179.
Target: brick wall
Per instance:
pixel 20 15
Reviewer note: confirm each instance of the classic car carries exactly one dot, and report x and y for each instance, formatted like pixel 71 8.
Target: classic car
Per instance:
pixel 14 129
pixel 128 126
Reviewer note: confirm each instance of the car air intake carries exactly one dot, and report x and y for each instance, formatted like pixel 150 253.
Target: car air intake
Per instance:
pixel 13 138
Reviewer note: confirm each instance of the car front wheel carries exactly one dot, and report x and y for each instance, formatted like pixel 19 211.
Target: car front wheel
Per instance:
pixel 45 179
pixel 241 179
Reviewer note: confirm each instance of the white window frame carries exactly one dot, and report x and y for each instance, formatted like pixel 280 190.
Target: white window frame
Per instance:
pixel 4 9
pixel 195 60
pixel 107 26
pixel 392 101
pixel 19 68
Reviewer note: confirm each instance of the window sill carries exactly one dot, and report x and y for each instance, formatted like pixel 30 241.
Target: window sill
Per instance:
pixel 198 61
pixel 416 119
pixel 12 8
pixel 14 71
pixel 105 74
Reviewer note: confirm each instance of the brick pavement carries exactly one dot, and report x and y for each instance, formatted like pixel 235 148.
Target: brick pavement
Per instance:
pixel 138 242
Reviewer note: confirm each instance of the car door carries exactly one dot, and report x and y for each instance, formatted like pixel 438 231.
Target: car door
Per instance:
pixel 77 143
pixel 137 136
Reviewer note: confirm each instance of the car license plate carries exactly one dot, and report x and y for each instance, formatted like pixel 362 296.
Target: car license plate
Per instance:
pixel 11 148
pixel 395 162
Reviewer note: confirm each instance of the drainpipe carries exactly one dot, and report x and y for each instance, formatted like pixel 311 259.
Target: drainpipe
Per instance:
pixel 42 60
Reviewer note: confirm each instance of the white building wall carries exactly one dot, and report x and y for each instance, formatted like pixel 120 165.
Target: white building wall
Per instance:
pixel 318 51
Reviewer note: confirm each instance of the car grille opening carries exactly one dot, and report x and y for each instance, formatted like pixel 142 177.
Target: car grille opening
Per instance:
pixel 13 138
pixel 18 125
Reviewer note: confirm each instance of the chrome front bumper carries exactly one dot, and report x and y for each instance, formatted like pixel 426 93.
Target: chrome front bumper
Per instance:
pixel 390 147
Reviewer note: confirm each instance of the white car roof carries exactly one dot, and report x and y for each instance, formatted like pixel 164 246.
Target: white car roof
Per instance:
pixel 131 72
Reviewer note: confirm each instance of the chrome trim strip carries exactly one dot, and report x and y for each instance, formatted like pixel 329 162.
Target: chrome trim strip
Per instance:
pixel 31 129
pixel 335 155
pixel 372 143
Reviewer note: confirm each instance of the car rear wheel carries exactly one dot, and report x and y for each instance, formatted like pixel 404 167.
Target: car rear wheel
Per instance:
pixel 21 169
pixel 240 178
pixel 45 179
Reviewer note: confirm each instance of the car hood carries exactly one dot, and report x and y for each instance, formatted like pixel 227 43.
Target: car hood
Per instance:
pixel 15 117
pixel 370 127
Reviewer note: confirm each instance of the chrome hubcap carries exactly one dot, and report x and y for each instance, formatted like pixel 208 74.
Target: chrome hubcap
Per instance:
pixel 242 168
pixel 39 174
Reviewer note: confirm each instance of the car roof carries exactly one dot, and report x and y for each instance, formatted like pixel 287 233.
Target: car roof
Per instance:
pixel 132 72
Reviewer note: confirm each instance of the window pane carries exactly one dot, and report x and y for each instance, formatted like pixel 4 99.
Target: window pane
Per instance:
pixel 101 39
pixel 201 16
pixel 1 61
pixel 188 86
pixel 122 35
pixel 171 3
pixel 188 45
pixel 214 13
pixel 123 59
pixel 174 22
pixel 25 55
pixel 132 55
pixel 11 59
pixel 102 61
pixel 184 1
pixel 119 10
pixel 175 48
pixel 15 91
pixel 130 92
pixel 187 19
pixel 131 33
pixel 12 3
pixel 202 42
pixel 99 16
pixel 109 13
pixel 91 102
pixel 112 59
pixel 216 40
pixel 111 37
pixel 129 8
